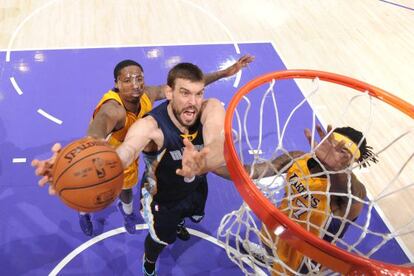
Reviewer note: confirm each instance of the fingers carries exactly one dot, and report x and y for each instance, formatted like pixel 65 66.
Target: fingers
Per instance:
pixel 193 162
pixel 329 128
pixel 52 191
pixel 308 135
pixel 321 131
pixel 35 162
pixel 245 60
pixel 56 148
pixel 185 172
pixel 42 182
pixel 188 144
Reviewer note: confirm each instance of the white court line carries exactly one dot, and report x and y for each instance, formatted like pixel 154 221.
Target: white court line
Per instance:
pixel 121 230
pixel 19 160
pixel 139 45
pixel 209 14
pixel 391 229
pixel 214 18
pixel 48 116
pixel 16 86
pixel 16 31
pixel 237 80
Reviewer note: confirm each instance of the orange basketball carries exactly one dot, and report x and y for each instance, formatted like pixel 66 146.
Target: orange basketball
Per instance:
pixel 88 175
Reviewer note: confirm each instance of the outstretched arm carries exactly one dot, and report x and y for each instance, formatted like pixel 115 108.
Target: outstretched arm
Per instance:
pixel 211 157
pixel 138 136
pixel 265 169
pixel 109 117
pixel 156 93
pixel 230 71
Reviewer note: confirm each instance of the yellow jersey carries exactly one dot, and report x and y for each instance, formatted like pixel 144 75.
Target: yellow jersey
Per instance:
pixel 118 136
pixel 306 203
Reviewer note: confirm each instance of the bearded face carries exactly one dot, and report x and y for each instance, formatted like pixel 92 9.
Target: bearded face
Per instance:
pixel 186 101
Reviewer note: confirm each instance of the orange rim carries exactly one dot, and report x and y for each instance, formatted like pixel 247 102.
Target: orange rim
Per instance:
pixel 317 249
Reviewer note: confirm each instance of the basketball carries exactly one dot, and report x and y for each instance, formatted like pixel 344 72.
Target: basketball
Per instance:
pixel 88 175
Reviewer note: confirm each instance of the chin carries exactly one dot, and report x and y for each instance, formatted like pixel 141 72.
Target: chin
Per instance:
pixel 187 123
pixel 135 99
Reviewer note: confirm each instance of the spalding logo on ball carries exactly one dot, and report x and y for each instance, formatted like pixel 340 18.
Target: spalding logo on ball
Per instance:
pixel 88 175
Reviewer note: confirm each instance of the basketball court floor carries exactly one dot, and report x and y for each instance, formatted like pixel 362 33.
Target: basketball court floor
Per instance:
pixel 57 59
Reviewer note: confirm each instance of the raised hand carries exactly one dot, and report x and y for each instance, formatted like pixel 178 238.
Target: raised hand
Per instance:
pixel 194 161
pixel 238 65
pixel 330 152
pixel 44 168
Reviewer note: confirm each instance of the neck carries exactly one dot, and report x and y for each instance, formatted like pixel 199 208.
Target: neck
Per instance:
pixel 174 119
pixel 132 107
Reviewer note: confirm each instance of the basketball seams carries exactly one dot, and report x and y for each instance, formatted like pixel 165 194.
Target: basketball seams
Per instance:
pixel 96 184
pixel 68 148
pixel 84 208
pixel 71 165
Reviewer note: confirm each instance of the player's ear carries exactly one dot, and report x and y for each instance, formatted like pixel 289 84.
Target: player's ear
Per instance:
pixel 168 92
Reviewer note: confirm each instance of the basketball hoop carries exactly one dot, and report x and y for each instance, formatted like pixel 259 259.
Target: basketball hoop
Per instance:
pixel 327 254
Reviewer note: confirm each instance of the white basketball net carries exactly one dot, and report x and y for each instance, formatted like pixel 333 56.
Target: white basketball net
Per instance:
pixel 389 182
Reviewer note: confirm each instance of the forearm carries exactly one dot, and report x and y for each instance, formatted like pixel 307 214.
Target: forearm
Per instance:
pixel 127 154
pixel 97 130
pixel 137 137
pixel 347 184
pixel 106 120
pixel 212 77
pixel 156 93
pixel 264 169
pixel 215 156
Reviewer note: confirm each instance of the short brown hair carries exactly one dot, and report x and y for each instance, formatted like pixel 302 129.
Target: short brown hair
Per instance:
pixel 187 71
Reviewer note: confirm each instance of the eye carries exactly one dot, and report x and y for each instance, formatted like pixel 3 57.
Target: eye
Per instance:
pixel 347 152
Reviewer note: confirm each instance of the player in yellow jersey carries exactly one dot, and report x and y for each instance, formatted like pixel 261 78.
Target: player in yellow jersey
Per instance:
pixel 310 182
pixel 118 109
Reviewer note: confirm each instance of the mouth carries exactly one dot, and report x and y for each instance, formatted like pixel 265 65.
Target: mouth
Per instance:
pixel 136 94
pixel 189 114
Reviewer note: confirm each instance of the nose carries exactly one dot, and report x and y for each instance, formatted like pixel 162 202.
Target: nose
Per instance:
pixel 137 84
pixel 192 99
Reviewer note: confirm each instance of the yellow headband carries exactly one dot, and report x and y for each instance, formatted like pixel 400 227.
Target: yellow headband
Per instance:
pixel 349 144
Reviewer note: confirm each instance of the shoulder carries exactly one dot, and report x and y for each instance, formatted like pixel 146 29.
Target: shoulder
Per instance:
pixel 212 108
pixel 112 109
pixel 212 103
pixel 147 123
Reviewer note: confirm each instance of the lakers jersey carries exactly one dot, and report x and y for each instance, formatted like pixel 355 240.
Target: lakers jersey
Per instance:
pixel 118 136
pixel 306 203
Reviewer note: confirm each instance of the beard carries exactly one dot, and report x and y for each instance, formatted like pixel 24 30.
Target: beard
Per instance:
pixel 177 113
